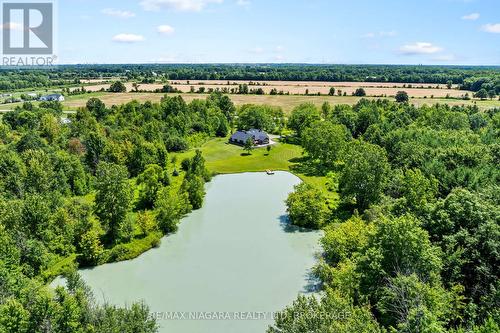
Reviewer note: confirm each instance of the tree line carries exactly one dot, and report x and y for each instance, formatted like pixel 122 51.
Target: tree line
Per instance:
pixel 468 77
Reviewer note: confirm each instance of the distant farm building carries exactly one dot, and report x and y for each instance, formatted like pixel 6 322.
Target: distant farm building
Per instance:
pixel 258 137
pixel 52 98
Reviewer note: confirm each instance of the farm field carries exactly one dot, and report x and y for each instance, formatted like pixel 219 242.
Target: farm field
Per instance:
pixel 286 102
pixel 100 86
pixel 299 87
pixel 310 83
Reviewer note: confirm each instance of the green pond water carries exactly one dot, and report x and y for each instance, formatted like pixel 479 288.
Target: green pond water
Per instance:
pixel 228 268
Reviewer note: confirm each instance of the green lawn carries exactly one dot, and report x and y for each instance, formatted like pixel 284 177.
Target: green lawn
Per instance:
pixel 223 158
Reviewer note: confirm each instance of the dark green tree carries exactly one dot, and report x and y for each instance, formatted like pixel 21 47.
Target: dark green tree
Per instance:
pixel 97 108
pixel 482 94
pixel 360 92
pixel 113 198
pixel 326 110
pixel 12 174
pixel 331 313
pixel 194 186
pixel 398 246
pixel 224 103
pixel 94 147
pixel 117 87
pixel 303 117
pixel 465 226
pixel 365 173
pixel 402 97
pixel 324 141
pixel 410 305
pixel 171 207
pixel 150 182
pixel 259 117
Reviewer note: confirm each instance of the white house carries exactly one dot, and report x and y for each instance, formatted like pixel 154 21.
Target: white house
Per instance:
pixel 53 97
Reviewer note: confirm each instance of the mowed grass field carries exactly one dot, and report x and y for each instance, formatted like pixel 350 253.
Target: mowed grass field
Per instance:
pixel 224 158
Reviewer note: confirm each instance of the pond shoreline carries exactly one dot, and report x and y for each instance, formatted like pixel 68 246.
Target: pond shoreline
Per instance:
pixel 226 256
pixel 69 263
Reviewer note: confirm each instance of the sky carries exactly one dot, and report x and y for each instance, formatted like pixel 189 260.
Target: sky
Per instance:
pixel 465 32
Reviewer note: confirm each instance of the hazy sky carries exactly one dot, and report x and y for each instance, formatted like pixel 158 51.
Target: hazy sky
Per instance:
pixel 306 31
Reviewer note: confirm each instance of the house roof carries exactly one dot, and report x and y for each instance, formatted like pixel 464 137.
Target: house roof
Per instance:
pixel 52 96
pixel 252 133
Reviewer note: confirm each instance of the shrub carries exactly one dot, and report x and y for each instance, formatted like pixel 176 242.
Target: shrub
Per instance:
pixel 306 207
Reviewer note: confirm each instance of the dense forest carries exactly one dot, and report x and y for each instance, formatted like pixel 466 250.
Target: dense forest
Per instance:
pixel 413 243
pixel 411 237
pixel 98 188
pixel 469 78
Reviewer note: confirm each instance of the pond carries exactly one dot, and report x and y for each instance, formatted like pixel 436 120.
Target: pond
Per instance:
pixel 228 268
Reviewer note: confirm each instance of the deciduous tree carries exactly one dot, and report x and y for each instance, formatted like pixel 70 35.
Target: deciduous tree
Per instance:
pixel 360 92
pixel 402 97
pixel 113 198
pixel 117 87
pixel 248 147
pixel 365 173
pixel 306 207
pixel 324 141
pixel 303 117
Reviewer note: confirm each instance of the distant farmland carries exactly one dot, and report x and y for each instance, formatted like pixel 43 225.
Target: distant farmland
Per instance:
pixel 374 89
pixel 287 103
